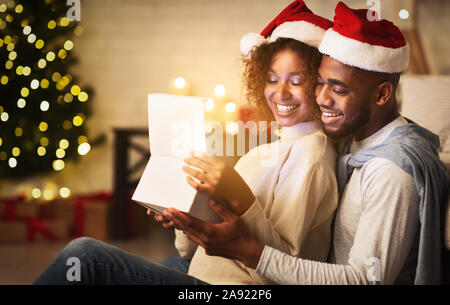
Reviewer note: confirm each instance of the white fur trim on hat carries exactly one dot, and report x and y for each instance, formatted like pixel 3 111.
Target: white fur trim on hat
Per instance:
pixel 249 41
pixel 303 31
pixel 363 55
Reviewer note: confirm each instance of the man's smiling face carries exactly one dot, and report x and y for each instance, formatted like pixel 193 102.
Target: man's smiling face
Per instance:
pixel 345 96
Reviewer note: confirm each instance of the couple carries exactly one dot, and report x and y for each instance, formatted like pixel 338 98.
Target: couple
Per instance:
pixel 308 74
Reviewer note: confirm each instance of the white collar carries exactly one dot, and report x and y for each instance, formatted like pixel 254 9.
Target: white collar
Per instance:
pixel 298 130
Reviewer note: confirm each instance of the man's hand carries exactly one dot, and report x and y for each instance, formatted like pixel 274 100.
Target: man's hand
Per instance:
pixel 219 180
pixel 230 238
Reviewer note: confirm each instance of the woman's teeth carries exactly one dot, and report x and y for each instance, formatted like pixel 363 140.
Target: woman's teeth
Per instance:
pixel 330 115
pixel 285 108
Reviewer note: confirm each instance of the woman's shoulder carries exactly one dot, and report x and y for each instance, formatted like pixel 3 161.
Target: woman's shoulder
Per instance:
pixel 314 148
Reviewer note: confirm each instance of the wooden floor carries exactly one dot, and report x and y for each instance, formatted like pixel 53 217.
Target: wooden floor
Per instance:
pixel 22 263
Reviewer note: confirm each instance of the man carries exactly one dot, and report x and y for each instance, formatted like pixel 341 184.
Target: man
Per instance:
pixel 393 185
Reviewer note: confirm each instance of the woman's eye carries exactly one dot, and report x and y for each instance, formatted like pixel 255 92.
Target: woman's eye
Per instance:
pixel 296 82
pixel 272 80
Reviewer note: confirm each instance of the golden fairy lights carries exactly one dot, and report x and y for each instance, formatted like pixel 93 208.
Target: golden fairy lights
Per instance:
pixel 29 96
pixel 50 192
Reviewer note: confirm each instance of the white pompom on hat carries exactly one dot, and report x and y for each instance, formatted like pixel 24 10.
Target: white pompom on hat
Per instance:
pixel 365 43
pixel 296 21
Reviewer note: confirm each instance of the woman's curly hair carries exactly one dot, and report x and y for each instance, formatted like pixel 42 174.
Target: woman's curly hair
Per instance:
pixel 256 68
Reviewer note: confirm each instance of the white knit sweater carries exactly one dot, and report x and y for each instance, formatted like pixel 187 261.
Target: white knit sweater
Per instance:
pixel 296 198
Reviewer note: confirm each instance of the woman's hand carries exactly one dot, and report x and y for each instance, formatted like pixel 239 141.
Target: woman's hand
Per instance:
pixel 220 180
pixel 230 239
pixel 165 222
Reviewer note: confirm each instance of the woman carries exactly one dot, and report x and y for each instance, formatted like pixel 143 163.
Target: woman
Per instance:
pixel 288 205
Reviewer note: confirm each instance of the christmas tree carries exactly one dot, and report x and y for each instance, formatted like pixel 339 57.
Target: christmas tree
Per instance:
pixel 43 109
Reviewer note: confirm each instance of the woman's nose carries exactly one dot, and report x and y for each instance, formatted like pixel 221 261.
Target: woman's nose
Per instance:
pixel 283 92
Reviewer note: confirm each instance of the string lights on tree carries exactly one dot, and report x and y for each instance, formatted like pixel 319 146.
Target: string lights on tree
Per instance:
pixel 43 109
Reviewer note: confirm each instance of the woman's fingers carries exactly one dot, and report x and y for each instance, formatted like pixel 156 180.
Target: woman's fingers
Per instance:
pixel 199 163
pixel 204 157
pixel 201 176
pixel 197 186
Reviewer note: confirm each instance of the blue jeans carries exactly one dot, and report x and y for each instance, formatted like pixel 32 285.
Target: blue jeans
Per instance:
pixel 104 264
pixel 176 262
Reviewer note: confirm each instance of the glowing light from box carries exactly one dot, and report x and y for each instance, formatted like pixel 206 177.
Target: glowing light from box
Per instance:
pixel 232 128
pixel 84 148
pixel 64 192
pixel 36 193
pixel 180 82
pixel 403 14
pixel 230 107
pixel 209 104
pixel 219 90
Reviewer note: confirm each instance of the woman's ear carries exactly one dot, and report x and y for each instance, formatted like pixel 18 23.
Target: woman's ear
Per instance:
pixel 384 92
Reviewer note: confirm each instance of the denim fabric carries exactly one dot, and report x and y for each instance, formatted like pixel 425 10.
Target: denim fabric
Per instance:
pixel 104 264
pixel 176 262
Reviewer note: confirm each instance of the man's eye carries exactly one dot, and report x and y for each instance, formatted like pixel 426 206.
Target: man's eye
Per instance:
pixel 339 91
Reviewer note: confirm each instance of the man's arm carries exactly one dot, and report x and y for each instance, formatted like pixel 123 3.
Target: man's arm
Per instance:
pixel 385 232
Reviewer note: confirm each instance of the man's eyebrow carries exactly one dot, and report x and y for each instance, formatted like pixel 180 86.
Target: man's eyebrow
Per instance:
pixel 334 82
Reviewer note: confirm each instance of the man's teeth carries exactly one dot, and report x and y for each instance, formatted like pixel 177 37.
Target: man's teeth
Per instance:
pixel 283 108
pixel 328 114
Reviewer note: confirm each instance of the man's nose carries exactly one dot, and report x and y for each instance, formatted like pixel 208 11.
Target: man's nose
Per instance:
pixel 323 98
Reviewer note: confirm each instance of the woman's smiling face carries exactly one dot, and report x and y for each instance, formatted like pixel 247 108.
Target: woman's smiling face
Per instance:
pixel 286 89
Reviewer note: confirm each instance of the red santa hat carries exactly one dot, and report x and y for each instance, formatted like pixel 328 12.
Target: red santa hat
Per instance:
pixel 367 43
pixel 296 21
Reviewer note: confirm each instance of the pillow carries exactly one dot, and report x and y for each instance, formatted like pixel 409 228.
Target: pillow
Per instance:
pixel 425 99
